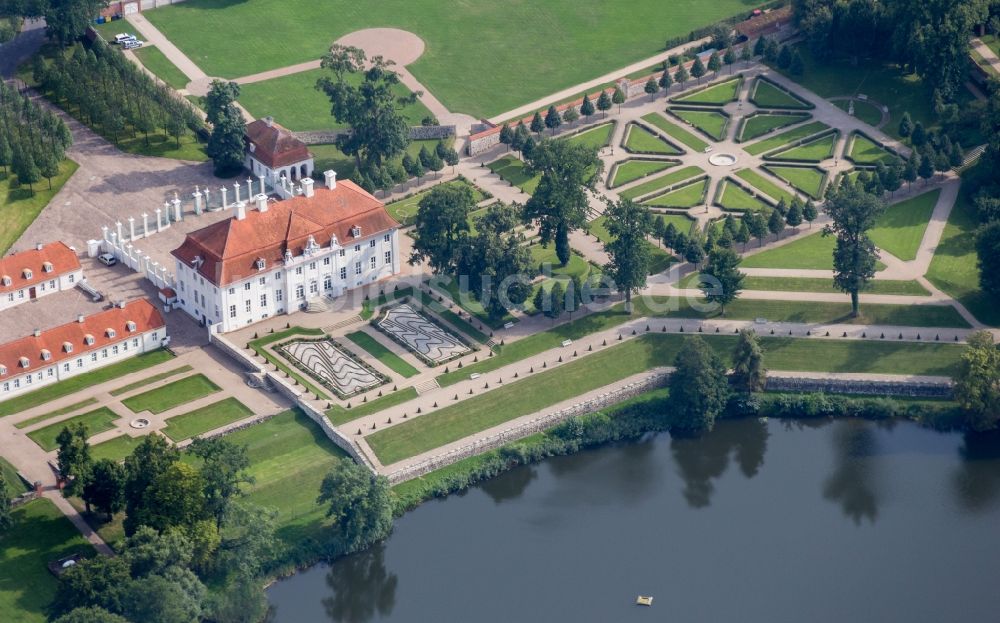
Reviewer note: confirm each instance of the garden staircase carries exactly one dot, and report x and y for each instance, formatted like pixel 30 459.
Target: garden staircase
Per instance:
pixel 426 386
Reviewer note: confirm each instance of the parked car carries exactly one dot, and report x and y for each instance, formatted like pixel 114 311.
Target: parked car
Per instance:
pixel 107 259
pixel 122 38
pixel 132 44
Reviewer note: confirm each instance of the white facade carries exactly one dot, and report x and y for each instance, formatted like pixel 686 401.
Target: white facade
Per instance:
pixel 57 283
pixel 320 272
pixel 16 382
pixel 272 176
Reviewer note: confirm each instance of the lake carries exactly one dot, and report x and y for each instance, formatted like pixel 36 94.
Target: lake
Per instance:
pixel 757 521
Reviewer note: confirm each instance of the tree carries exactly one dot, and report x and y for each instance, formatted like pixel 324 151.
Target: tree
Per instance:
pixel 977 382
pixel 447 154
pixel 760 46
pixel 430 159
pixel 919 135
pixel 91 614
pixel 794 216
pixel 221 94
pixel 560 201
pixel 758 227
pixel 956 156
pixel 798 66
pixel 698 387
pixel 729 58
pixel 694 252
pixel 6 153
pixel 988 254
pixel 749 375
pixel 149 552
pixel 651 88
pixel 697 69
pixel 743 234
pixel 785 57
pixel 506 135
pixel 854 212
pixel 659 227
pixel 74 457
pixel 26 169
pixel 905 125
pixel 776 223
pixel 5 518
pixel 441 227
pixel 537 124
pixel 604 103
pixel 714 63
pixel 570 115
pixel 727 281
pixel 681 75
pixel 224 471
pixel 416 168
pixel 809 212
pixel 93 582
pixel 227 143
pixel 587 107
pixel 150 459
pixel 371 108
pixel 746 54
pixel 176 596
pixel 669 235
pixel 665 80
pixel 558 296
pixel 926 168
pixel 496 261
pixel 910 170
pixel 553 119
pixel 359 503
pixel 105 487
pixel 618 97
pixel 176 497
pixel 628 225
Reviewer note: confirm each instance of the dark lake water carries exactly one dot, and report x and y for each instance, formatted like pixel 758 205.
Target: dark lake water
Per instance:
pixel 775 521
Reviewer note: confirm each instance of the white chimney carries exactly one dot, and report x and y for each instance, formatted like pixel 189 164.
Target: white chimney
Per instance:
pixel 39 246
pixel 261 202
pixel 79 318
pixel 38 333
pixel 269 121
pixel 331 178
pixel 121 304
pixel 241 211
pixel 307 187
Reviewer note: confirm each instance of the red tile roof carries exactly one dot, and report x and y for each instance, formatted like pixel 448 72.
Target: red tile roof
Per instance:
pixel 230 249
pixel 140 311
pixel 274 145
pixel 61 258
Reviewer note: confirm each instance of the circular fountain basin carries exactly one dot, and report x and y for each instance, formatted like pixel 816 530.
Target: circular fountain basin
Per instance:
pixel 722 160
pixel 139 423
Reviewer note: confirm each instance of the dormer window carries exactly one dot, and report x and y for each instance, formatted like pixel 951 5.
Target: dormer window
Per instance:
pixel 197 261
pixel 23 362
pixel 260 263
pixel 3 369
pixel 67 347
pixel 46 355
pixel 130 326
pixel 47 267
pixel 356 231
pixel 110 332
pixel 6 280
pixel 27 273
pixel 288 256
pixel 88 340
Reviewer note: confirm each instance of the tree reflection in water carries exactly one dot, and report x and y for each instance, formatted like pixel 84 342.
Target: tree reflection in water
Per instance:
pixel 702 459
pixel 853 483
pixel 361 587
pixel 511 485
pixel 976 482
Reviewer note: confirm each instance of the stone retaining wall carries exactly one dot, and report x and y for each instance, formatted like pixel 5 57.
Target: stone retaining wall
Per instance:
pixel 861 388
pixel 417 133
pixel 245 360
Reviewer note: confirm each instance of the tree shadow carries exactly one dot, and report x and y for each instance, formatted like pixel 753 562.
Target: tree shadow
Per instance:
pixel 704 459
pixel 853 483
pixel 976 482
pixel 361 586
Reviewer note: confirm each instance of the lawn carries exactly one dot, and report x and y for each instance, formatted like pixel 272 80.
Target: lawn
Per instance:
pixel 683 197
pixel 405 210
pixel 577 266
pixel 155 61
pixel 807 179
pixel 289 456
pixel 172 395
pixel 865 111
pixel 710 122
pixel 681 222
pixel 660 182
pixel 295 103
pixel 734 197
pixel 542 390
pixel 660 260
pixel 814 150
pixel 766 94
pixel 339 415
pixel 19 207
pixel 258 347
pixel 149 380
pixel 866 151
pixel 65 410
pixel 83 381
pixel 96 421
pixel 15 486
pixel 40 534
pixel 901 227
pixel 825 286
pixel 595 138
pixel 812 252
pixel 954 269
pixel 631 170
pixel 760 124
pixel 716 95
pixel 384 356
pixel 474 56
pixel 115 449
pixel 513 171
pixel 764 185
pixel 209 417
pixel 675 131
pixel 641 141
pixel 329 157
pixel 791 136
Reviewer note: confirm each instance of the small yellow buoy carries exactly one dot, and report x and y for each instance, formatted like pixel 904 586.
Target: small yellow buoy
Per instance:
pixel 642 600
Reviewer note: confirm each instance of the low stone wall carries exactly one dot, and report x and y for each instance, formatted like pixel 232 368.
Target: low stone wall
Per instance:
pixel 336 436
pixel 241 357
pixel 653 381
pixel 861 388
pixel 417 133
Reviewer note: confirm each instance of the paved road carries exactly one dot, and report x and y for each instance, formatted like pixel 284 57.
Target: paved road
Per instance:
pixel 987 53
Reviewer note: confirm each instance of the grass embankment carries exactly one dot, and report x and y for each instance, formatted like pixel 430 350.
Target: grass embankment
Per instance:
pixel 901 227
pixel 735 197
pixel 765 94
pixel 172 395
pixel 717 95
pixel 710 122
pixel 544 389
pixel 684 197
pixel 19 207
pixel 156 61
pixel 825 286
pixel 83 381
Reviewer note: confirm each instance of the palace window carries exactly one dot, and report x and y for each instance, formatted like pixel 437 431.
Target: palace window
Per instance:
pixel 386 237
pixel 388 257
pixel 371 243
pixel 357 268
pixel 372 258
pixel 343 273
pixel 300 292
pixel 247 305
pixel 232 311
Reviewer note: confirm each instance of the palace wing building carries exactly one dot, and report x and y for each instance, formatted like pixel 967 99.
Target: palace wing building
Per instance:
pixel 38 272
